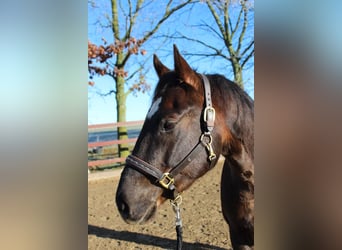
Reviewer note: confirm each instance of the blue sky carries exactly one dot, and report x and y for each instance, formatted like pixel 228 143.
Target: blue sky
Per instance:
pixel 102 109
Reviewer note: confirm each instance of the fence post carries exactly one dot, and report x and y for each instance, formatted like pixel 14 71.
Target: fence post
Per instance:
pixel 101 127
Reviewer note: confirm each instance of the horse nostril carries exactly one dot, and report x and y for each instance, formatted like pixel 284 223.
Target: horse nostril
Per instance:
pixel 122 207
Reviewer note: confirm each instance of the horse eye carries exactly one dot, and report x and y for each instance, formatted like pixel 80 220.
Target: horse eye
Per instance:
pixel 168 125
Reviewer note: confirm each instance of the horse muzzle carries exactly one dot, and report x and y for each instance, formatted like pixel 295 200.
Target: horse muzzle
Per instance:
pixel 136 199
pixel 135 214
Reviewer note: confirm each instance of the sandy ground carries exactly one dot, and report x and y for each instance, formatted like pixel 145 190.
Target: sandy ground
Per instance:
pixel 203 223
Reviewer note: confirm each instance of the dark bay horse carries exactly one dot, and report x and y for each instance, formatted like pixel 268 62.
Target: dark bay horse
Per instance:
pixel 193 119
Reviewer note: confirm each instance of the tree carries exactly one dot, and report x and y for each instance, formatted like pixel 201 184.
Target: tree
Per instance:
pixel 129 33
pixel 234 33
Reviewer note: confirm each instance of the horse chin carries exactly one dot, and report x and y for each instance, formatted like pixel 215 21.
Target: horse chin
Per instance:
pixel 145 218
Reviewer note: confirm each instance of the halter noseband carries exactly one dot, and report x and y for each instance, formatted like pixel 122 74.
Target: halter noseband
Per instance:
pixel 166 180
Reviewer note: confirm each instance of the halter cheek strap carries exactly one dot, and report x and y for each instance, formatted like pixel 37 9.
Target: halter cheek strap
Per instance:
pixel 209 111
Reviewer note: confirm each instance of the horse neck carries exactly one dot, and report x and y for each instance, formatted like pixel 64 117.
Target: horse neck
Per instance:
pixel 238 111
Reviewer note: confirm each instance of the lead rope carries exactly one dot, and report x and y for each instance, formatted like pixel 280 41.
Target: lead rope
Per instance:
pixel 176 208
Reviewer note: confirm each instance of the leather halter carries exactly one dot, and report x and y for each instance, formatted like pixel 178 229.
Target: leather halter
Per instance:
pixel 166 180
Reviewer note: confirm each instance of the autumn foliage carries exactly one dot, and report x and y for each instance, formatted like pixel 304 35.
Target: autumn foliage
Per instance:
pixel 99 56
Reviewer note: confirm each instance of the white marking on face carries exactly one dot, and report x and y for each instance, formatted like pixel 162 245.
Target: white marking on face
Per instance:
pixel 154 108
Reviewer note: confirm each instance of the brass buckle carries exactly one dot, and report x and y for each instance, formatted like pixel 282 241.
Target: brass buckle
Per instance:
pixel 206 115
pixel 166 180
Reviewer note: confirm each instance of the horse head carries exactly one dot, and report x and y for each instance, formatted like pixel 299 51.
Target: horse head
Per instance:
pixel 174 127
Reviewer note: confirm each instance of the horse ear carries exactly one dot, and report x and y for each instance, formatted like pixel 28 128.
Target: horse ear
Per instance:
pixel 184 71
pixel 160 68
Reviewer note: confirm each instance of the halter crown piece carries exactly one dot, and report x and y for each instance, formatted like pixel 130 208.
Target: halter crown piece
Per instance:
pixel 167 180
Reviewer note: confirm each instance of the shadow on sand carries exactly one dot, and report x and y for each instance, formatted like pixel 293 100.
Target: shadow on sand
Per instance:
pixel 146 239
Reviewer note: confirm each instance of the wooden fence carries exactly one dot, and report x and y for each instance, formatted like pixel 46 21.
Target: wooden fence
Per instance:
pixel 102 127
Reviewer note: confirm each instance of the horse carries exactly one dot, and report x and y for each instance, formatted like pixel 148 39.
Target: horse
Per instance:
pixel 193 119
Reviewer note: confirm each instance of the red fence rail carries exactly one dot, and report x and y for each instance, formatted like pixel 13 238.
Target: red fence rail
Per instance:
pixel 117 124
pixel 99 127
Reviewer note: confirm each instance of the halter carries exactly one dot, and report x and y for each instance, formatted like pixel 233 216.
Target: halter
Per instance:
pixel 167 180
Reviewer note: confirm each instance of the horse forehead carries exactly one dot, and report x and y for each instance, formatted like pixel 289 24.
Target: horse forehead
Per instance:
pixel 154 107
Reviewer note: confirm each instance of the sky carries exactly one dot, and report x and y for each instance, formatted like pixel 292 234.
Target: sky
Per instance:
pixel 102 109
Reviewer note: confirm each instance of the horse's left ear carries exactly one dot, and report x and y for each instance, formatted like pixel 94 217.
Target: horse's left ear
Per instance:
pixel 184 71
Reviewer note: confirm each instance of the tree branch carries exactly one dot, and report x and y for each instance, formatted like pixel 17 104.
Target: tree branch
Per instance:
pixel 226 19
pixel 126 57
pixel 247 48
pixel 115 20
pixel 134 73
pixel 107 94
pixel 128 92
pixel 244 27
pixel 237 22
pixel 217 18
pixel 132 18
pixel 247 58
pixel 206 27
pixel 217 52
pixel 166 15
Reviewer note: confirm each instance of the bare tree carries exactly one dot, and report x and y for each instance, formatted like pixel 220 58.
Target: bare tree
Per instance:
pixel 233 28
pixel 130 32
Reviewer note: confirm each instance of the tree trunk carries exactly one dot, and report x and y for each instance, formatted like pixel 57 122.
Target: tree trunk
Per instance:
pixel 120 97
pixel 121 115
pixel 237 72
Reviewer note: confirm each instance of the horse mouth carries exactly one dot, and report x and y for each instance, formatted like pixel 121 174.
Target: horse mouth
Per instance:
pixel 132 218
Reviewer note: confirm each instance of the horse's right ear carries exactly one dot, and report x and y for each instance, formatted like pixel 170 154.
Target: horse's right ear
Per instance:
pixel 184 71
pixel 160 68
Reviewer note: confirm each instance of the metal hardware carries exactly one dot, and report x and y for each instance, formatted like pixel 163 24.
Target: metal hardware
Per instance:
pixel 209 147
pixel 212 155
pixel 166 180
pixel 206 135
pixel 176 201
pixel 175 205
pixel 209 114
pixel 176 209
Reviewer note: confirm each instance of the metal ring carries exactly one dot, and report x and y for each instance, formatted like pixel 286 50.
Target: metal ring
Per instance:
pixel 207 135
